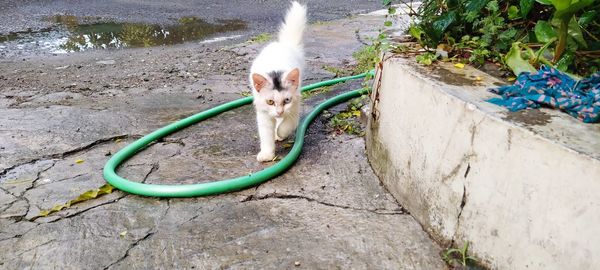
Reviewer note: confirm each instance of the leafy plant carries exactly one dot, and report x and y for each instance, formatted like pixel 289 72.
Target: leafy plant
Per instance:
pixel 519 35
pixel 564 13
pixel 426 58
pixel 458 255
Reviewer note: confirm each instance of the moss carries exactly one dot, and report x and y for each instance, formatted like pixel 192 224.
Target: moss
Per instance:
pixel 261 38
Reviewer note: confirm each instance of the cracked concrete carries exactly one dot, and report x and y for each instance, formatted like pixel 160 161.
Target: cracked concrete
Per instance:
pixel 328 212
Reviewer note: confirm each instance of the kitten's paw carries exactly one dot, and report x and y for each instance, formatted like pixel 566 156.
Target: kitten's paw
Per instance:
pixel 265 156
pixel 279 139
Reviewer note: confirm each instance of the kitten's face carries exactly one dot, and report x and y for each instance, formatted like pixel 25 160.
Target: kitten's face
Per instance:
pixel 276 92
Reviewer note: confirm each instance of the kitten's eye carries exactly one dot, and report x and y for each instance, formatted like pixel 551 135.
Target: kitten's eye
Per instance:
pixel 287 100
pixel 270 102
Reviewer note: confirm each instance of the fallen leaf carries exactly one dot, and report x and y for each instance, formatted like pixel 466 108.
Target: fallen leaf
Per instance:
pixel 459 65
pixel 118 140
pixel 88 195
pixel 79 161
pixel 123 233
pixel 478 78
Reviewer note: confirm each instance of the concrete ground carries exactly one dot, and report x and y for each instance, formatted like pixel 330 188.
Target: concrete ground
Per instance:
pixel 328 212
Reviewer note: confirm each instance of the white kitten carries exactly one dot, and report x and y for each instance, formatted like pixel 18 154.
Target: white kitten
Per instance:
pixel 275 77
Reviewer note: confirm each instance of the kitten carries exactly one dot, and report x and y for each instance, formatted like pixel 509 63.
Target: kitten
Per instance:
pixel 275 78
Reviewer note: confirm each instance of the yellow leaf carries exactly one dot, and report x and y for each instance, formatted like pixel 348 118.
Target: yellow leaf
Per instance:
pixel 478 78
pixel 459 65
pixel 511 79
pixel 79 161
pixel 118 140
pixel 44 213
pixel 123 233
pixel 88 195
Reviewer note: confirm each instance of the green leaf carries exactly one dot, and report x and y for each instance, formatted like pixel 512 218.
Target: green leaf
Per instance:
pixel 526 6
pixel 492 6
pixel 514 60
pixel 544 2
pixel 565 61
pixel 508 34
pixel 566 8
pixel 540 52
pixel 475 5
pixel 544 31
pixel 392 10
pixel 416 31
pixel 426 58
pixel 471 16
pixel 386 2
pixel 387 23
pixel 442 22
pixel 575 32
pixel 513 12
pixel 587 17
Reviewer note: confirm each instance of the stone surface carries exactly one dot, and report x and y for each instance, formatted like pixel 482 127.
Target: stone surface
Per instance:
pixel 520 187
pixel 61 119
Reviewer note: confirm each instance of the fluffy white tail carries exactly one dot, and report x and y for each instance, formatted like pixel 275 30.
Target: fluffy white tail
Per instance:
pixel 295 20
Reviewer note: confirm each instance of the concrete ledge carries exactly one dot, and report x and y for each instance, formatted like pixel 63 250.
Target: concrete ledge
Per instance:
pixel 522 188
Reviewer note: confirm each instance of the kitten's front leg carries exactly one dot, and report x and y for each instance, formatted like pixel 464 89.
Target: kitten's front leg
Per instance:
pixel 287 127
pixel 266 132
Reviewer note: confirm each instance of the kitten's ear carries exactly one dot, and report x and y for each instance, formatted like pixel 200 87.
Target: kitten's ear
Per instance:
pixel 258 81
pixel 294 77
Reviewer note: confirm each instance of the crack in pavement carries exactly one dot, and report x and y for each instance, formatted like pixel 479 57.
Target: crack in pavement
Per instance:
pixel 71 152
pixel 132 246
pixel 154 167
pixel 275 195
pixel 77 213
pixel 35 247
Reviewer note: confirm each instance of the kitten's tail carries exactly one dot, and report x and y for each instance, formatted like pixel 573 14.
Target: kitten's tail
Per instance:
pixel 292 28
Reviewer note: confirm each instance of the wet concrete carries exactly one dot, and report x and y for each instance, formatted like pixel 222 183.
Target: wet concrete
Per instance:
pixel 62 117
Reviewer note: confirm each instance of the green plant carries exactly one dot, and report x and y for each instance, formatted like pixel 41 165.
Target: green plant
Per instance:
pixel 517 34
pixel 458 255
pixel 260 38
pixel 426 58
pixel 347 120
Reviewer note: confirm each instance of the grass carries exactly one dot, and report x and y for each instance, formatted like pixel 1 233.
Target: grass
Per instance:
pixel 366 58
pixel 261 38
pixel 339 72
pixel 317 91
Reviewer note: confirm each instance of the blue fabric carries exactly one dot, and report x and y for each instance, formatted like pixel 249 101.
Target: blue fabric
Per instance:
pixel 553 88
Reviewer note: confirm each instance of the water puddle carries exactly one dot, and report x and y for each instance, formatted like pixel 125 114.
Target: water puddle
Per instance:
pixel 73 34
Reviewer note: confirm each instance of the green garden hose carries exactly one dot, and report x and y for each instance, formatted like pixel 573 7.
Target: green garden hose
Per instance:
pixel 228 185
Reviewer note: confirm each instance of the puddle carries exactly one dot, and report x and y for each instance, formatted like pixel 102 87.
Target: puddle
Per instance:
pixel 73 34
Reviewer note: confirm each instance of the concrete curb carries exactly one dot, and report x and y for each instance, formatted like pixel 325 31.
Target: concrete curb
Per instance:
pixel 522 188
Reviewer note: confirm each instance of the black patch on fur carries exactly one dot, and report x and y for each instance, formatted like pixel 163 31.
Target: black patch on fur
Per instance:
pixel 277 80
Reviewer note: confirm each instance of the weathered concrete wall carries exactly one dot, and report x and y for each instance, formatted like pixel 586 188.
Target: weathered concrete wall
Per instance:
pixel 523 188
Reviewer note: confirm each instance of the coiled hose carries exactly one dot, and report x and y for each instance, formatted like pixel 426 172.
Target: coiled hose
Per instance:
pixel 227 185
